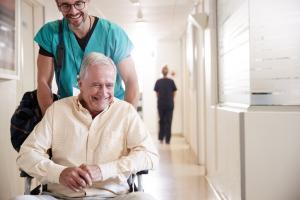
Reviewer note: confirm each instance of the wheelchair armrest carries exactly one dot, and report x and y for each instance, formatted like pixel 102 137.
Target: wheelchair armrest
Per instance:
pixel 24 174
pixel 131 181
pixel 139 174
pixel 28 179
pixel 142 172
pixel 27 185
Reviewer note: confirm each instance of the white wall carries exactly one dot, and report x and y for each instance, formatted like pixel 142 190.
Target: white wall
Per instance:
pixel 252 157
pixel 256 153
pixel 10 184
pixel 227 174
pixel 147 75
pixel 272 163
pixel 210 49
pixel 189 91
pixel 51 11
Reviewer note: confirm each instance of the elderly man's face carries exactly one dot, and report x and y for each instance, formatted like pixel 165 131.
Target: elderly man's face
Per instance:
pixel 97 88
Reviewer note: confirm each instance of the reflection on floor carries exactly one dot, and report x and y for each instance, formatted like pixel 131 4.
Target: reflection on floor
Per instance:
pixel 178 176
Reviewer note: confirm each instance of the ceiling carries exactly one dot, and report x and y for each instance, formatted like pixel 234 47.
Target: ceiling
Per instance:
pixel 163 18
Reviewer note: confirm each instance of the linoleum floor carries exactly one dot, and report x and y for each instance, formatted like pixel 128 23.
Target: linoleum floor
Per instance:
pixel 178 177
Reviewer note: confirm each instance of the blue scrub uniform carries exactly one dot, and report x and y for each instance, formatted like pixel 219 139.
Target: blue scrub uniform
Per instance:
pixel 107 38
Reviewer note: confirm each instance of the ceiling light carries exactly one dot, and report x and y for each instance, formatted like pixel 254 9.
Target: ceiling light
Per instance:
pixel 139 14
pixel 135 2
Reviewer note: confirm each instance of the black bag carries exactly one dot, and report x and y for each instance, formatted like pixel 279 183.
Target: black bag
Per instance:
pixel 24 119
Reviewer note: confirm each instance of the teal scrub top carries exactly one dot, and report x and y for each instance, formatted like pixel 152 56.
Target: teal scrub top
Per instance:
pixel 107 38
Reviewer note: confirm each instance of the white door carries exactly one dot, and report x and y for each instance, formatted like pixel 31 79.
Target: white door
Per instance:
pixel 31 17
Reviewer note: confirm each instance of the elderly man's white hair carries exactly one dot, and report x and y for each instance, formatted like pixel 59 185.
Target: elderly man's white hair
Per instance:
pixel 95 58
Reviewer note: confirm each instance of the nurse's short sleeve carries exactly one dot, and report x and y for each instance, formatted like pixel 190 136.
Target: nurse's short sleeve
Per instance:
pixel 45 36
pixel 121 45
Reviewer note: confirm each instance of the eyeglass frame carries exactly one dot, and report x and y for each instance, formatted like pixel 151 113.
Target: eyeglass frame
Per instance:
pixel 71 5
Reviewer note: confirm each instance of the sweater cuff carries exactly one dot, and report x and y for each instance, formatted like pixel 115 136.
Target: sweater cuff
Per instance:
pixel 54 173
pixel 108 170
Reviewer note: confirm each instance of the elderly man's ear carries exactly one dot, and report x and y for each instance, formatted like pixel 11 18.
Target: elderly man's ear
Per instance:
pixel 79 82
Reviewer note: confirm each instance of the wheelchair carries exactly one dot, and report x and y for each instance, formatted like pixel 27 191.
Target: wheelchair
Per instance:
pixel 135 182
pixel 25 117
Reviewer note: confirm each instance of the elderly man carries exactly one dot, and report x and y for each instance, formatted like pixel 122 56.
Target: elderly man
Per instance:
pixel 97 141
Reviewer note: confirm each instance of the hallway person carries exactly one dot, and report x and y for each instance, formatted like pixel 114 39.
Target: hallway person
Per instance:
pixel 97 140
pixel 165 90
pixel 82 34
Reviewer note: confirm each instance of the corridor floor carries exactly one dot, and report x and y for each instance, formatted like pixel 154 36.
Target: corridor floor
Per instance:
pixel 178 177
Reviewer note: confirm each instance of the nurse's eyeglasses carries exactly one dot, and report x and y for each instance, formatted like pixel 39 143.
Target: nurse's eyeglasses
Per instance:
pixel 65 7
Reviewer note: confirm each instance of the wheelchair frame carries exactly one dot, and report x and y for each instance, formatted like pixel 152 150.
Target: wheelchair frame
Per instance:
pixel 133 185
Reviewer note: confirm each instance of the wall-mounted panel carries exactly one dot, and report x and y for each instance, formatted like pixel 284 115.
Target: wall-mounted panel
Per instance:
pixel 275 47
pixel 233 50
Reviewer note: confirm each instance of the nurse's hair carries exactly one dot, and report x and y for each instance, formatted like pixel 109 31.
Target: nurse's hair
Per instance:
pixel 95 58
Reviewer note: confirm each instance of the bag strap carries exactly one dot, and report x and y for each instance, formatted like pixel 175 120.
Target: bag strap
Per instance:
pixel 60 51
pixel 61 46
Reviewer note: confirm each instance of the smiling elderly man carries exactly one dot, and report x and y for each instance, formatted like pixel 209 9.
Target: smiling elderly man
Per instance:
pixel 97 141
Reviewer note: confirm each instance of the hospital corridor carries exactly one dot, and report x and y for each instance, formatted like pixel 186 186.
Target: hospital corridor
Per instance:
pixel 203 94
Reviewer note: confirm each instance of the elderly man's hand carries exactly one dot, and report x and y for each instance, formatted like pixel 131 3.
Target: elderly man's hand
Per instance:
pixel 93 170
pixel 75 178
